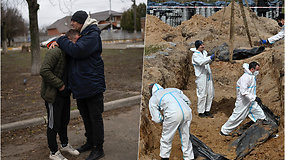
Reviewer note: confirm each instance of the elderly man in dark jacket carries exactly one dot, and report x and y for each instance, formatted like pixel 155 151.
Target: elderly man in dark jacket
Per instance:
pixel 87 80
pixel 56 94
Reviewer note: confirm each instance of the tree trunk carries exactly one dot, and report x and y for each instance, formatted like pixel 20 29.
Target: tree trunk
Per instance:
pixel 135 16
pixel 252 20
pixel 4 42
pixel 34 31
pixel 223 18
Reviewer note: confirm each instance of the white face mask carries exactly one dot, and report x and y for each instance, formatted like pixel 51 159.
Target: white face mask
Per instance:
pixel 256 73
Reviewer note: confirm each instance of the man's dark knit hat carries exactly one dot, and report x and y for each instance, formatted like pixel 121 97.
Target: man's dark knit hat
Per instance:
pixel 198 43
pixel 79 17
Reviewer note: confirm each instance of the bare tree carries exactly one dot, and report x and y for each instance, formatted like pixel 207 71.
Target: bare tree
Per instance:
pixel 16 23
pixel 12 25
pixel 34 31
pixel 3 32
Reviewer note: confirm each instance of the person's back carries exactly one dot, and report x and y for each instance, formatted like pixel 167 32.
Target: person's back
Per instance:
pixel 171 102
pixel 177 115
pixel 53 79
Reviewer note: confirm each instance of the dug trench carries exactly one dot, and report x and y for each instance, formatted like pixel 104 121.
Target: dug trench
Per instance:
pixel 175 70
pixel 179 73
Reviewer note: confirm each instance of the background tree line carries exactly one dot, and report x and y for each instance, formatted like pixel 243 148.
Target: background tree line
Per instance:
pixel 127 21
pixel 12 25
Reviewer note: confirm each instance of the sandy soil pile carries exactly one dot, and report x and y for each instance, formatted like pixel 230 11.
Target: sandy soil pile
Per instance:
pixel 176 70
pixel 155 29
pixel 210 29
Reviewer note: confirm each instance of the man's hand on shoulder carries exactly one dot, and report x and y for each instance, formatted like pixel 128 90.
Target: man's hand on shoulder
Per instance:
pixel 62 88
pixel 52 45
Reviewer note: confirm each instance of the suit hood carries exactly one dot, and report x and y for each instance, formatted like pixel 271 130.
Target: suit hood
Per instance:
pixel 156 87
pixel 246 68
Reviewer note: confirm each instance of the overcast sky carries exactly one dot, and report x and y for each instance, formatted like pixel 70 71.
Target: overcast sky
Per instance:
pixel 52 10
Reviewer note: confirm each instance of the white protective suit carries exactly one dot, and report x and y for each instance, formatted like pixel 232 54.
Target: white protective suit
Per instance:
pixel 245 103
pixel 177 115
pixel 204 80
pixel 278 36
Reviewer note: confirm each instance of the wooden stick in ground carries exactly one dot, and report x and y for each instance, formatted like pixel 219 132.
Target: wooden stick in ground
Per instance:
pixel 252 19
pixel 245 22
pixel 231 47
pixel 223 18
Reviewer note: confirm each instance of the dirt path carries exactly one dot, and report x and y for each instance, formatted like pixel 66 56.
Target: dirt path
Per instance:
pixel 121 138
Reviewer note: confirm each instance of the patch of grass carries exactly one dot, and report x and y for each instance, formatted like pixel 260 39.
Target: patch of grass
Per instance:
pixel 122 57
pixel 16 61
pixel 152 49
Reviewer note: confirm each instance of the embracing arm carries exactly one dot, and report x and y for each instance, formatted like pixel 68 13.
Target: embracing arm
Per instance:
pixel 83 48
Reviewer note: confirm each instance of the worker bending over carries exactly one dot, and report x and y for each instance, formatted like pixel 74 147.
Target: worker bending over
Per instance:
pixel 177 115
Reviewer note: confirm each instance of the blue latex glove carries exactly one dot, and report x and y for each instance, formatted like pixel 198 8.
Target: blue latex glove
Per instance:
pixel 262 41
pixel 212 57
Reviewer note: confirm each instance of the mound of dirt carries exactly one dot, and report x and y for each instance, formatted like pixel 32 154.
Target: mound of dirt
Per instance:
pixel 176 70
pixel 212 29
pixel 155 29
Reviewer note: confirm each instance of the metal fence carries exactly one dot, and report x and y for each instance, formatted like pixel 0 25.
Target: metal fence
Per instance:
pixel 175 15
pixel 107 35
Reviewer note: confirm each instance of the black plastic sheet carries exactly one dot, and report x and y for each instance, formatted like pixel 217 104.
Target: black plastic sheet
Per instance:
pixel 223 54
pixel 256 133
pixel 202 150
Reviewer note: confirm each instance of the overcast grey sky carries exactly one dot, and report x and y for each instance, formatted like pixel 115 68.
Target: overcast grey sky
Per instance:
pixel 52 10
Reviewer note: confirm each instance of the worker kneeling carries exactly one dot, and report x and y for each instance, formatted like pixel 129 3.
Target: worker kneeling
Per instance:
pixel 177 115
pixel 246 102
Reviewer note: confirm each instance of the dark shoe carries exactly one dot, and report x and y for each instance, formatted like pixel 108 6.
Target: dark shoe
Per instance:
pixel 164 158
pixel 201 115
pixel 208 114
pixel 84 148
pixel 95 154
pixel 223 134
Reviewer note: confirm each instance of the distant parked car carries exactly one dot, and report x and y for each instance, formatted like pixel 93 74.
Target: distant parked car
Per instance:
pixel 275 3
pixel 187 4
pixel 171 3
pixel 149 3
pixel 251 3
pixel 44 43
pixel 220 3
pixel 199 3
